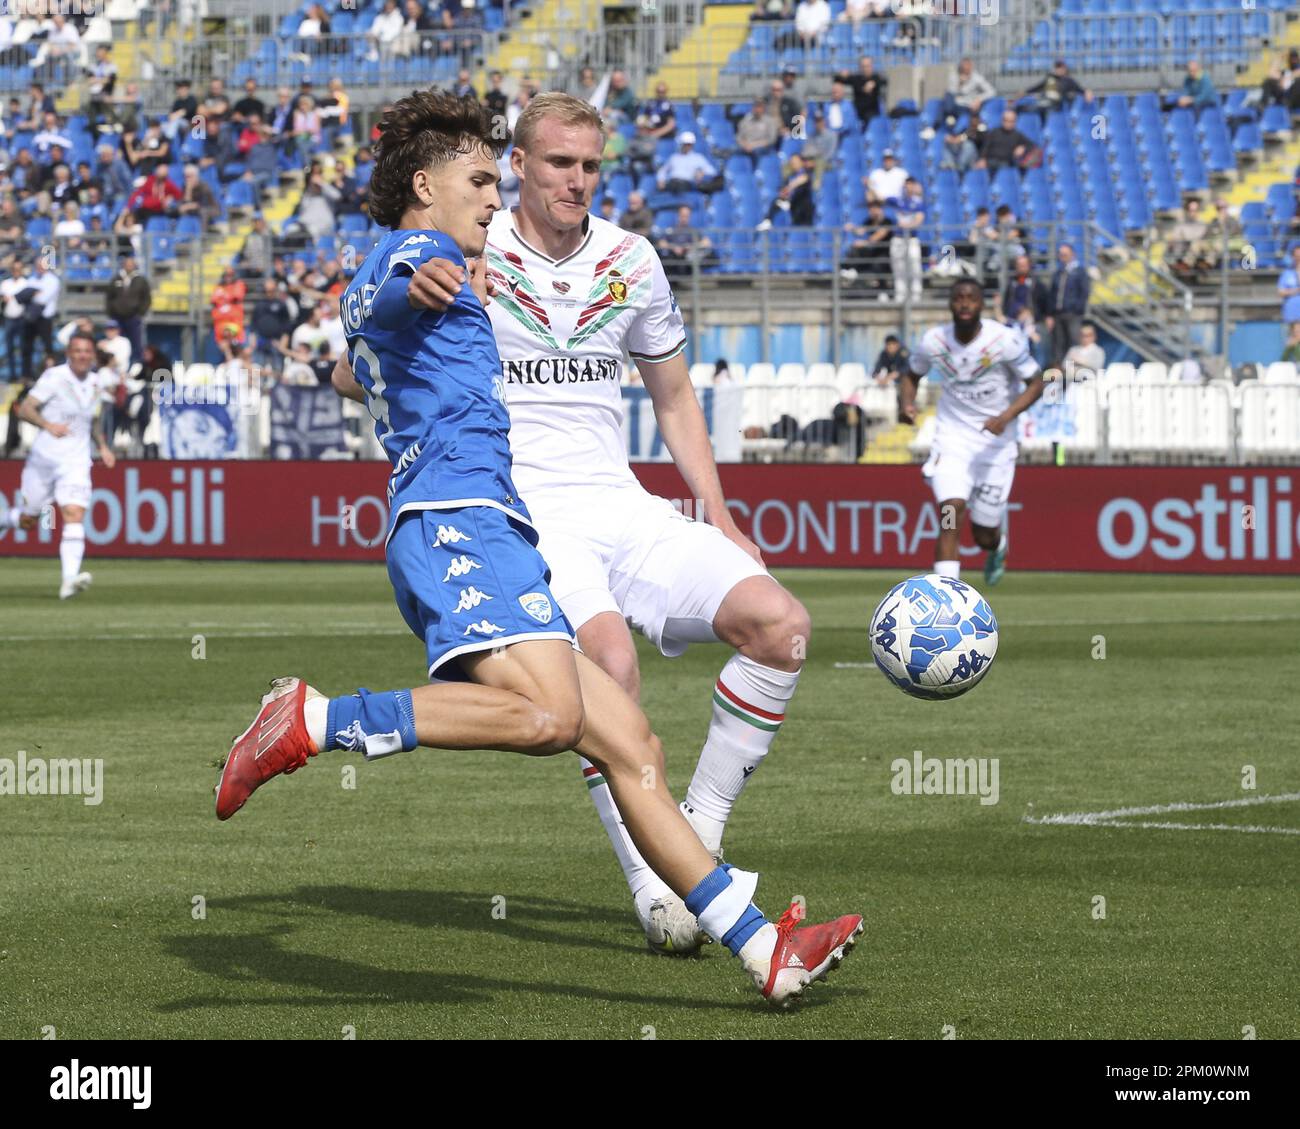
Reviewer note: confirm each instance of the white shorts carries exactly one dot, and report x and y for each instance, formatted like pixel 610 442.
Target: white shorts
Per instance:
pixel 982 479
pixel 626 551
pixel 45 481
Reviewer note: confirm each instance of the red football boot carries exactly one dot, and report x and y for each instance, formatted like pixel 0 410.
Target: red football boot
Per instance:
pixel 805 955
pixel 276 742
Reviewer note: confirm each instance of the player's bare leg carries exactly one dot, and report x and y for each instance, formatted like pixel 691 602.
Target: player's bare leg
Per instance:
pixel 947 554
pixel 994 541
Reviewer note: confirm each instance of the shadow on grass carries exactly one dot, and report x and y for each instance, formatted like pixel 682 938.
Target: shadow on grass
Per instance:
pixel 268 958
pixel 265 960
pixel 534 919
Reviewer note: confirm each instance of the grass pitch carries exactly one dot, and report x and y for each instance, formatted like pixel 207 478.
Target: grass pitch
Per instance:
pixel 475 895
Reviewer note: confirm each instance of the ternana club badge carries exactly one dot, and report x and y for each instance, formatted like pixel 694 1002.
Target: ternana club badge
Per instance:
pixel 617 287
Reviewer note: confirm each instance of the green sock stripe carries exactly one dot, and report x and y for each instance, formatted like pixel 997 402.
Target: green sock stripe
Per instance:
pixel 766 726
pixel 594 781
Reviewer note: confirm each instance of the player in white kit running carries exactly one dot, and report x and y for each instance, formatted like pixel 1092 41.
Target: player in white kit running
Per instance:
pixel 989 378
pixel 571 296
pixel 63 403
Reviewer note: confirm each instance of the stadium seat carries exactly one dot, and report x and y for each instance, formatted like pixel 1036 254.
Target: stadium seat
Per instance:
pixel 1270 420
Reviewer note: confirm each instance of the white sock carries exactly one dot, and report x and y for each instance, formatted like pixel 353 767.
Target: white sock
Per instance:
pixel 749 704
pixel 315 713
pixel 645 884
pixel 760 947
pixel 72 547
pixel 9 518
pixel 948 568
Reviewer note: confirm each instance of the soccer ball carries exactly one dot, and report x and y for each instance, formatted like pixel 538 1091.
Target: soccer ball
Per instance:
pixel 934 637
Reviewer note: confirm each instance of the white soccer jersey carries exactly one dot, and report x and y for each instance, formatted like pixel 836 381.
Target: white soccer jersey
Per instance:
pixel 980 380
pixel 65 399
pixel 563 329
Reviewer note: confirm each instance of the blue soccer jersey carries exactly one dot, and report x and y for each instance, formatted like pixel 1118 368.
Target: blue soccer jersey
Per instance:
pixel 467 577
pixel 433 383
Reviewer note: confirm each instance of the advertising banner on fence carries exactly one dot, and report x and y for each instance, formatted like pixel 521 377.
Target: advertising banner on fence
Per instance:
pixel 306 423
pixel 1135 519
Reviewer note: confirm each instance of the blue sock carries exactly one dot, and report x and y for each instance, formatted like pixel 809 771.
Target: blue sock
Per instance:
pixel 723 910
pixel 376 724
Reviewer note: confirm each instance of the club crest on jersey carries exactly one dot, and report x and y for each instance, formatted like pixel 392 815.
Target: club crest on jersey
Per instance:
pixel 617 287
pixel 537 606
pixel 560 287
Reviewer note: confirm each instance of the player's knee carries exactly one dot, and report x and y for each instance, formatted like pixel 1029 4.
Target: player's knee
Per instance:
pixel 779 633
pixel 557 728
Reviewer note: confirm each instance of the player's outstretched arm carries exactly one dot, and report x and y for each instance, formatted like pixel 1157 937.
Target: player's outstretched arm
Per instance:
pixel 686 435
pixel 345 384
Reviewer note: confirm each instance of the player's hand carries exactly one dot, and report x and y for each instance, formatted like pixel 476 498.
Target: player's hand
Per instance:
pixel 435 285
pixel 479 282
pixel 906 413
pixel 109 459
pixel 58 430
pixel 731 532
pixel 995 425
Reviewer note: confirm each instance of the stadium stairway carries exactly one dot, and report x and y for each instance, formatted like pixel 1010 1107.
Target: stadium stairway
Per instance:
pixel 172 294
pixel 135 61
pixel 518 53
pixel 1149 332
pixel 1255 74
pixel 692 70
pixel 894 444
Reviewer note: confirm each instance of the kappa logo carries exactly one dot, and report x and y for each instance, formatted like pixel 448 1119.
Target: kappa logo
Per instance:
pixel 450 535
pixel 471 598
pixel 461 566
pixel 483 627
pixel 560 287
pixel 351 738
pixel 747 770
pixel 536 605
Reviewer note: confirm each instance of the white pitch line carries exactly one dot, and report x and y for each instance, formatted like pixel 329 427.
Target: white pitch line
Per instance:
pixel 1117 816
pixel 1147 622
pixel 1202 827
pixel 181 634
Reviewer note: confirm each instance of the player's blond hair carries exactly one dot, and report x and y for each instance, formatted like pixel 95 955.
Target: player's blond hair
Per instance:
pixel 564 108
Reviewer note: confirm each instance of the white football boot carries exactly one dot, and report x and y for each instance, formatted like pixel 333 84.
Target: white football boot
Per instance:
pixel 670 928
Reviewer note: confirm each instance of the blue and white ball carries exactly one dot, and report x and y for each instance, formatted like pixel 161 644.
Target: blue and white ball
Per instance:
pixel 934 637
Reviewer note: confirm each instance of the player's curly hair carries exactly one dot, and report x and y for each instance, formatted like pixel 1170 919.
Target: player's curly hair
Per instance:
pixel 420 131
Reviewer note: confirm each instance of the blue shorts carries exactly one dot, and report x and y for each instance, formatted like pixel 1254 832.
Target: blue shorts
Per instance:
pixel 470 580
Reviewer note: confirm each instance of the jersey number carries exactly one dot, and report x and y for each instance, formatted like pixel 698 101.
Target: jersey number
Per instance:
pixel 375 402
